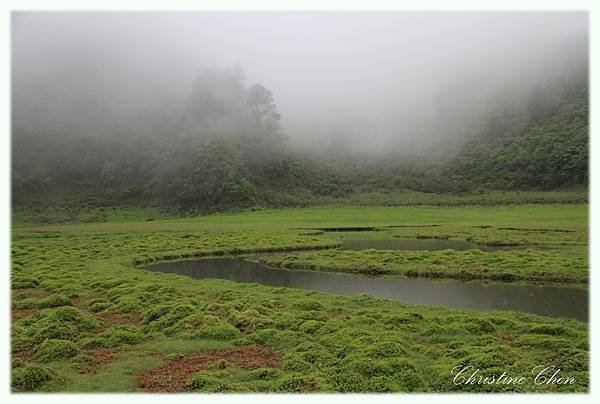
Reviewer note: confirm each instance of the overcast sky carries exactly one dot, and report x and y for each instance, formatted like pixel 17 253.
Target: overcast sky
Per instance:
pixel 367 74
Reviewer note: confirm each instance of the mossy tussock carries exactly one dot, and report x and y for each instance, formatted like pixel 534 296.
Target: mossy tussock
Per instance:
pixel 508 266
pixel 327 342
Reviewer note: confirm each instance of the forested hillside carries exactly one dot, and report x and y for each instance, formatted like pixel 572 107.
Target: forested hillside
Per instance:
pixel 543 145
pixel 223 148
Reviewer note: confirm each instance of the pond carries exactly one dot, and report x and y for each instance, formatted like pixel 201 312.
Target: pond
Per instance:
pixel 548 301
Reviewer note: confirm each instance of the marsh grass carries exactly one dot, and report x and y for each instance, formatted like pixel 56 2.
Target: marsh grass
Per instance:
pixel 326 342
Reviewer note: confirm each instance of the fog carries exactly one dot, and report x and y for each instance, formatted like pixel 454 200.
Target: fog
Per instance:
pixel 371 80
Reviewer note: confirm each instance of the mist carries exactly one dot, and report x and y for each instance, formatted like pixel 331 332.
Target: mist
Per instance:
pixel 299 202
pixel 373 79
pixel 199 112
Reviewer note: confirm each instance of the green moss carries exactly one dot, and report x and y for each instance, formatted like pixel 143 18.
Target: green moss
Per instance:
pixel 295 363
pixel 557 265
pixel 310 326
pixel 397 320
pixel 154 313
pixel 307 304
pixel 549 329
pixel 546 342
pixel 387 349
pixel 53 349
pixel 250 320
pixel 297 383
pixel 100 306
pixel 71 315
pixel 63 323
pixel 167 319
pixel 390 375
pixel 23 282
pixel 30 377
pixel 283 339
pixel 50 301
pixel 327 342
pixel 201 382
pixel 207 327
pixel 475 326
pixel 265 373
pixel 81 361
pixel 120 336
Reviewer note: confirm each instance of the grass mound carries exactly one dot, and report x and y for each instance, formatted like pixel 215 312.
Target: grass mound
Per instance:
pixel 30 377
pixel 53 349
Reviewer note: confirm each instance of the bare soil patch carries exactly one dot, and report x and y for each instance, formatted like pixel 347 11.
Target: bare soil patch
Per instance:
pixel 172 376
pixel 101 357
pixel 121 319
pixel 17 314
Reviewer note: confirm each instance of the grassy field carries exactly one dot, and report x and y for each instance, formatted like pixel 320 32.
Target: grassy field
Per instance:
pixel 535 254
pixel 87 317
pixel 55 212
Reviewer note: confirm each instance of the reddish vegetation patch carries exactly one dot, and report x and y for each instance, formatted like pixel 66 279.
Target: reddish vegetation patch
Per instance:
pixel 101 357
pixel 172 376
pixel 154 352
pixel 23 356
pixel 120 319
pixel 507 337
pixel 17 314
pixel 80 302
pixel 27 290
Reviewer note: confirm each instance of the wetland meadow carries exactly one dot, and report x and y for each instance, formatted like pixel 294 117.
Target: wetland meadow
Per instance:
pixel 93 310
pixel 298 202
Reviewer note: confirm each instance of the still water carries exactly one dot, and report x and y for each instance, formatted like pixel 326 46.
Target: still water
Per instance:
pixel 548 301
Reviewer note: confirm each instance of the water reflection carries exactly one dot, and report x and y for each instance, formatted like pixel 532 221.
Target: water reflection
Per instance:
pixel 548 301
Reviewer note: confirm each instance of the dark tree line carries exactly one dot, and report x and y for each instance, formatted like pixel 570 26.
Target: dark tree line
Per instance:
pixel 225 150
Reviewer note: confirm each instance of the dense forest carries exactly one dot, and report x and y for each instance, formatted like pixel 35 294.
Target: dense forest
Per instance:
pixel 223 148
